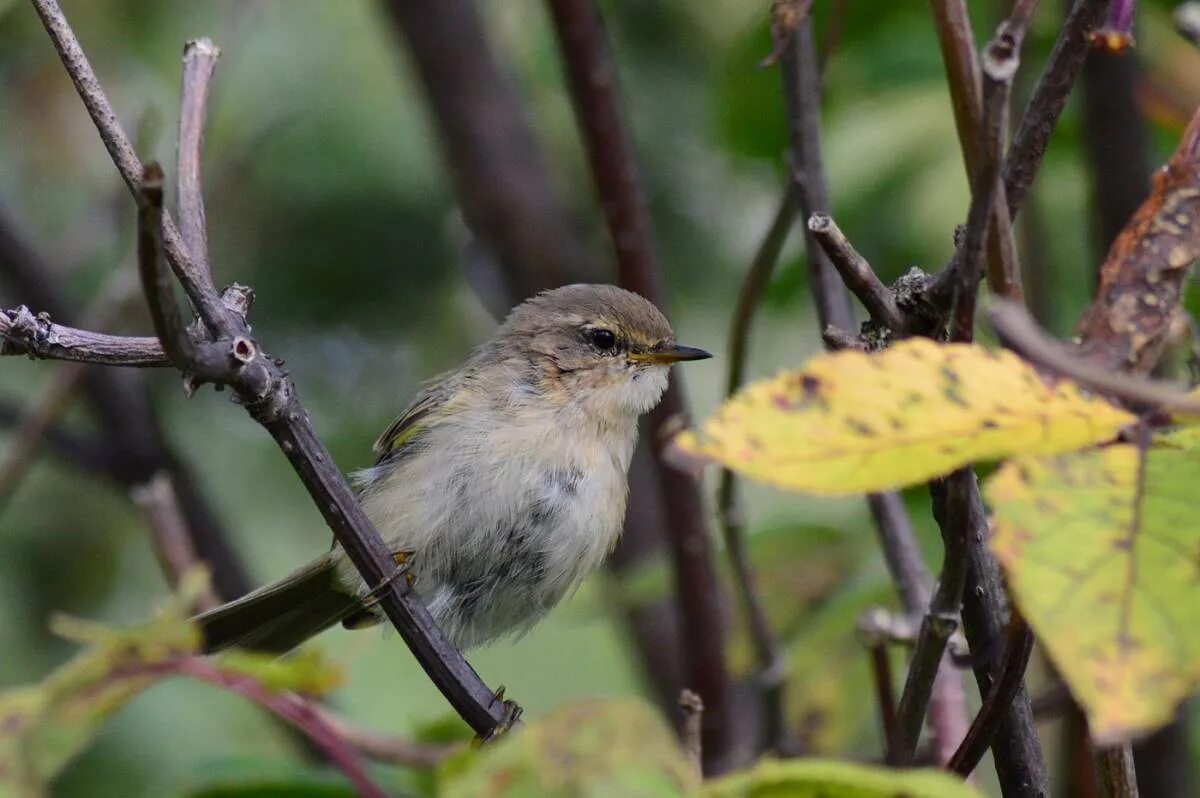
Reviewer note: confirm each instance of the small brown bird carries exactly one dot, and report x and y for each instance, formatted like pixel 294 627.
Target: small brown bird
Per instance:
pixel 502 485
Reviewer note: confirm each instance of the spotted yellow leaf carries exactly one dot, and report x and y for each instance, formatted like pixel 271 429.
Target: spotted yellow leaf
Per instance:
pixel 852 422
pixel 1108 575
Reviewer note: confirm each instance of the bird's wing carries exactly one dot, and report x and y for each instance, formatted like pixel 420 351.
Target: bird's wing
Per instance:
pixel 434 395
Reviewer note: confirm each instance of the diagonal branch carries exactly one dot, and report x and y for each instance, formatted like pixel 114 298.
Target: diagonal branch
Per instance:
pixel 231 357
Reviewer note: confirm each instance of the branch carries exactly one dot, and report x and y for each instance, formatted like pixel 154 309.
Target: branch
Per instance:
pixel 1049 98
pixel 168 526
pixel 231 357
pixel 693 715
pixel 1141 281
pixel 592 79
pixel 939 623
pixel 27 438
pixel 995 706
pixel 199 61
pixel 1018 331
pixel 957 493
pixel 772 667
pixel 856 272
pixel 292 707
pixel 193 276
pixel 24 333
pixel 1115 776
pixel 962 75
pixel 999 64
pixel 386 747
pixel 802 101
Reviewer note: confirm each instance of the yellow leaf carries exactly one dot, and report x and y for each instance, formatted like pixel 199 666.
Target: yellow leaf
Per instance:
pixel 1108 576
pixel 852 422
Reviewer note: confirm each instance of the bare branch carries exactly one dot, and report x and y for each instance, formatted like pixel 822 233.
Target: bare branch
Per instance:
pixel 856 272
pixel 199 61
pixel 1115 776
pixel 999 64
pixel 802 101
pixel 693 739
pixel 1018 331
pixel 962 75
pixel 386 747
pixel 25 333
pixel 1012 673
pixel 168 527
pixel 1049 98
pixel 27 439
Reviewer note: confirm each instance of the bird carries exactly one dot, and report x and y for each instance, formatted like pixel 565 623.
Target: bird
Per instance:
pixel 500 487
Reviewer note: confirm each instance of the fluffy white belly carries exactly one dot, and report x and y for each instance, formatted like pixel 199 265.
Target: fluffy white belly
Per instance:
pixel 503 522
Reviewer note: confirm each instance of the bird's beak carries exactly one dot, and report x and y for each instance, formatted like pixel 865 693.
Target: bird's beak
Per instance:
pixel 665 357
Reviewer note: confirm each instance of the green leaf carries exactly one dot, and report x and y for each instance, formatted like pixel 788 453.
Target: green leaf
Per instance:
pixel 852 422
pixel 815 778
pixel 43 726
pixel 598 748
pixel 1108 574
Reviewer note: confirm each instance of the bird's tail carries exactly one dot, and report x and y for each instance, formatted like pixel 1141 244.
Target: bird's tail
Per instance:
pixel 281 615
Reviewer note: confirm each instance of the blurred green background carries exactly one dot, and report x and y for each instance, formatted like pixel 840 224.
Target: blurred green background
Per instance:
pixel 327 193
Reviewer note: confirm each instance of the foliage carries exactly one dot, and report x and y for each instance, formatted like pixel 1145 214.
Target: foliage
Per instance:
pixel 815 778
pixel 590 748
pixel 1102 556
pixel 43 726
pixel 852 422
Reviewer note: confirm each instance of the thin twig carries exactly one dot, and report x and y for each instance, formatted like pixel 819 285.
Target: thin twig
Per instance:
pixel 693 739
pixel 999 65
pixel 1018 331
pixel 1012 672
pixel 233 358
pixel 168 527
pixel 297 710
pixel 199 61
pixel 387 747
pixel 25 333
pixel 192 275
pixel 592 78
pixel 772 671
pixel 1049 98
pixel 802 101
pixel 1115 775
pixel 963 78
pixel 26 440
pixel 856 272
pixel 939 623
pixel 885 691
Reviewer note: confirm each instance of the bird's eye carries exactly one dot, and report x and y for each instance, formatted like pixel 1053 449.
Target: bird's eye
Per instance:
pixel 602 339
